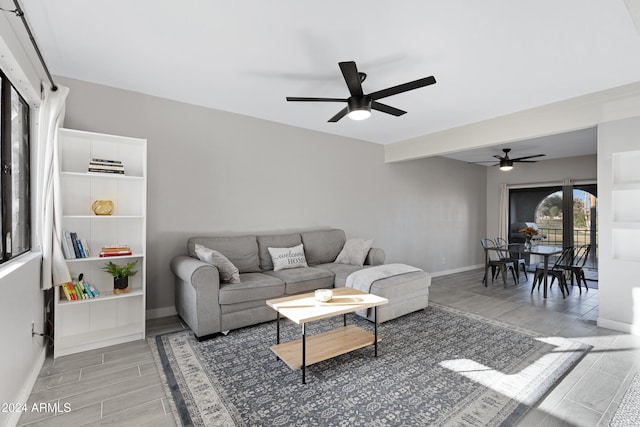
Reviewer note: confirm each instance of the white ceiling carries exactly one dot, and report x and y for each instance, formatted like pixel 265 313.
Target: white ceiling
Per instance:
pixel 490 58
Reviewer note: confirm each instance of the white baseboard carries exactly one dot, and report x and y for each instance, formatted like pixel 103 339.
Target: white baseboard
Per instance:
pixel 618 326
pixel 27 387
pixel 456 270
pixel 156 313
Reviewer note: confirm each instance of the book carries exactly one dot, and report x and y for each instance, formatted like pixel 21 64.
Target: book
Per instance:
pixel 74 241
pixel 115 253
pixel 121 172
pixel 81 248
pixel 65 246
pixel 72 291
pixel 93 291
pixel 115 162
pixel 106 165
pixel 68 245
pixel 85 246
pixel 66 291
pixel 87 290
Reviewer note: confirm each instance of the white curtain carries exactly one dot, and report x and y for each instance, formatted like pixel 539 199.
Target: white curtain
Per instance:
pixel 503 225
pixel 52 109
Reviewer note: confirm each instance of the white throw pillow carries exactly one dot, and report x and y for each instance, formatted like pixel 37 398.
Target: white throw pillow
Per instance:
pixel 228 271
pixel 354 252
pixel 284 258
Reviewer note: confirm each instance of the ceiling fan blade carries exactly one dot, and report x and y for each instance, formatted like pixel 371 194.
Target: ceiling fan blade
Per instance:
pixel 526 161
pixel 498 157
pixel 351 76
pixel 340 115
pixel 402 88
pixel 298 98
pixel 519 159
pixel 387 109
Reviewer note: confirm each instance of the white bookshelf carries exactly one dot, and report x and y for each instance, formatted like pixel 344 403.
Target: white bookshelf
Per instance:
pixel 107 319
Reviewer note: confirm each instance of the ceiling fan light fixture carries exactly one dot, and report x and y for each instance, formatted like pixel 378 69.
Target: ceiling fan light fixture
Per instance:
pixel 506 165
pixel 359 114
pixel 359 108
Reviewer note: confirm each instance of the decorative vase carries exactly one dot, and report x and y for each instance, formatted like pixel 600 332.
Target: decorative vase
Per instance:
pixel 527 243
pixel 120 284
pixel 102 207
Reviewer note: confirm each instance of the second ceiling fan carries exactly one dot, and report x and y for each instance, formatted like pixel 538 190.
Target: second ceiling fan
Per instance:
pixel 359 105
pixel 506 163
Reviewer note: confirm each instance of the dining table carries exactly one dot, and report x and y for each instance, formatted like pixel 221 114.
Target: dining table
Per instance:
pixel 543 250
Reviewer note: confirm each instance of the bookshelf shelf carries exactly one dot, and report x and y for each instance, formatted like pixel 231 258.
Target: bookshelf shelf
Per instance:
pixel 105 297
pixel 105 258
pixel 107 319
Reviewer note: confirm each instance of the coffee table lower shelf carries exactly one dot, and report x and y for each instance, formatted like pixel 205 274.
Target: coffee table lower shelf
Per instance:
pixel 323 346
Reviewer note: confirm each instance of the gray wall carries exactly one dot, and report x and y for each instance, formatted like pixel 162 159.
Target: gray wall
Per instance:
pixel 212 171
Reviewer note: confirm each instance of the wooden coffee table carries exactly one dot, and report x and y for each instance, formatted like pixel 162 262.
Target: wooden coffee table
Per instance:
pixel 304 308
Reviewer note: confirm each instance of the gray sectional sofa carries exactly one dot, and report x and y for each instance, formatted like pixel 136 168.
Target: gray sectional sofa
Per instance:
pixel 209 306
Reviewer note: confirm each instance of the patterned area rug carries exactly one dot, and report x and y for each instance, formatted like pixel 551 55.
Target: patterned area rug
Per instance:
pixel 438 366
pixel 628 413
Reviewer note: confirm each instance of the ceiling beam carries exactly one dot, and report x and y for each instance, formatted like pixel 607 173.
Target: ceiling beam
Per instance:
pixel 569 115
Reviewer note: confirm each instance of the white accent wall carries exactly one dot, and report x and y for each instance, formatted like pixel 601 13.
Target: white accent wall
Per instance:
pixel 619 223
pixel 217 172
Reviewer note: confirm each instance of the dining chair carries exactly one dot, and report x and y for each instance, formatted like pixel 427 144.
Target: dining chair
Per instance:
pixel 520 263
pixel 575 267
pixel 497 263
pixel 556 271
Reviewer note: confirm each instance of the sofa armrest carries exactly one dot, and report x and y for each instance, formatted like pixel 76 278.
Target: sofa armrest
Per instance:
pixel 375 257
pixel 197 287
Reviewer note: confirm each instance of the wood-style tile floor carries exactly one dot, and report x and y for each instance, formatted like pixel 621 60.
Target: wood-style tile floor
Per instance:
pixel 120 385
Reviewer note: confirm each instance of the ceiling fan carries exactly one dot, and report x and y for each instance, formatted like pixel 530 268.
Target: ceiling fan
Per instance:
pixel 506 163
pixel 359 105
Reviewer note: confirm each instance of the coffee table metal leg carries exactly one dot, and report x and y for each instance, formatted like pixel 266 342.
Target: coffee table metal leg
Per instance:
pixel 344 317
pixel 304 354
pixel 277 331
pixel 375 331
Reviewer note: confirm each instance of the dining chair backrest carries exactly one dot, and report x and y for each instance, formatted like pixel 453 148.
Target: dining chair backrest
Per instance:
pixel 564 258
pixel 501 242
pixel 489 244
pixel 581 255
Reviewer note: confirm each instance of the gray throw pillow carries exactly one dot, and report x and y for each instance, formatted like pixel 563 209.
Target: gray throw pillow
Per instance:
pixel 284 258
pixel 354 252
pixel 228 272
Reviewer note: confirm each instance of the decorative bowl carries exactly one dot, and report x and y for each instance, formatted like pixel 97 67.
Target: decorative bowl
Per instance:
pixel 102 207
pixel 324 295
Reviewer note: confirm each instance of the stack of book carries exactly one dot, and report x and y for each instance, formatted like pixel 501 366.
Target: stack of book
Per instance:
pixel 74 291
pixel 106 166
pixel 115 250
pixel 74 247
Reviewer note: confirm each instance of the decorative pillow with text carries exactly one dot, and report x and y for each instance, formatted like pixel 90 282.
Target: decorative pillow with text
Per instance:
pixel 284 258
pixel 354 252
pixel 228 272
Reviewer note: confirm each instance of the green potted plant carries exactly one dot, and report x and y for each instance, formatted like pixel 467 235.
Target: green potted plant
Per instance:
pixel 121 274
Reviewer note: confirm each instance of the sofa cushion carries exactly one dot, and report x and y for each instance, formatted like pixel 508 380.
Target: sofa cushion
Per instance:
pixel 341 271
pixel 252 287
pixel 303 279
pixel 323 246
pixel 354 252
pixel 275 241
pixel 228 272
pixel 285 258
pixel 242 251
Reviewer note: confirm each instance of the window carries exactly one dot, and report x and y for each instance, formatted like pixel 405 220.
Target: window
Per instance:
pixel 15 211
